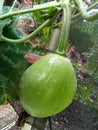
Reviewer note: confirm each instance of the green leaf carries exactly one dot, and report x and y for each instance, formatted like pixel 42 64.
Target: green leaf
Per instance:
pixel 41 16
pixel 42 1
pixel 4 23
pixel 12 33
pixel 84 34
pixel 7 90
pixel 12 65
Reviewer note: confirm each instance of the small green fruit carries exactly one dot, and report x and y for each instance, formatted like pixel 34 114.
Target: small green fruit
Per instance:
pixel 48 86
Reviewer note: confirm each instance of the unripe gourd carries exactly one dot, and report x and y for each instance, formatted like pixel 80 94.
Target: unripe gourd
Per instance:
pixel 48 86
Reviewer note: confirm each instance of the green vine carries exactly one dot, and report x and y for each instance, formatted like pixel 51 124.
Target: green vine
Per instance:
pixel 84 13
pixel 27 37
pixel 35 8
pixel 89 8
pixel 53 4
pixel 65 28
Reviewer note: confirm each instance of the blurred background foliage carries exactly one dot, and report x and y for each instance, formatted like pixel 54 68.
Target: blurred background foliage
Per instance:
pixel 84 36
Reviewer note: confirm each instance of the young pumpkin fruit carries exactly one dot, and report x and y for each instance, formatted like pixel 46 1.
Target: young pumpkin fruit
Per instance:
pixel 48 86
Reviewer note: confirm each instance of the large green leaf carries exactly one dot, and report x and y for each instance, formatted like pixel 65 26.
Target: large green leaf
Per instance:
pixel 84 34
pixel 12 65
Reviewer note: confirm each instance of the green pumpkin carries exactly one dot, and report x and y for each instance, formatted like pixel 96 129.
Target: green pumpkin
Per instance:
pixel 48 86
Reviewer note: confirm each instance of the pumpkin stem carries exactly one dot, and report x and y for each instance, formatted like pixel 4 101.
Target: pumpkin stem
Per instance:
pixel 66 21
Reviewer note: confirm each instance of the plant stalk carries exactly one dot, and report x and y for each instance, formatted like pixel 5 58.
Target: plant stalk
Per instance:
pixel 12 6
pixel 1 5
pixel 84 13
pixel 35 8
pixel 66 22
pixel 89 8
